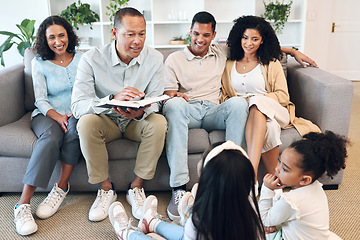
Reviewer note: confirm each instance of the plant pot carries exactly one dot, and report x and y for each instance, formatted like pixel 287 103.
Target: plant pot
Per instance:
pixel 177 42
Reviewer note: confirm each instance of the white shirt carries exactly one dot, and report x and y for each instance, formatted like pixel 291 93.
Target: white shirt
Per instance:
pixel 250 83
pixel 303 213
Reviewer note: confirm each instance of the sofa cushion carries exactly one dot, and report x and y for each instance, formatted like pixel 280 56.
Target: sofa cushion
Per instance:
pixel 198 141
pixel 17 139
pixel 287 137
pixel 122 149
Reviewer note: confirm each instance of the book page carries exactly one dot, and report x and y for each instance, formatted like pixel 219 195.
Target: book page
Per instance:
pixel 132 104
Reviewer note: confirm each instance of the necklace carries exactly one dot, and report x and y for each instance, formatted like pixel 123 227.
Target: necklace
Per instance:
pixel 248 61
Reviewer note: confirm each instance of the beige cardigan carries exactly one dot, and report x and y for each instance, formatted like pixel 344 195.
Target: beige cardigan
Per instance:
pixel 276 86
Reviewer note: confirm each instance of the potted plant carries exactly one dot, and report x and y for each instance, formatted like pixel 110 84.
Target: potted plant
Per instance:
pixel 79 14
pixel 23 40
pixel 278 12
pixel 114 6
pixel 178 41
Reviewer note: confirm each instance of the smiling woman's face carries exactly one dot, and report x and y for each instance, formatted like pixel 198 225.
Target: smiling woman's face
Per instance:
pixel 251 41
pixel 57 39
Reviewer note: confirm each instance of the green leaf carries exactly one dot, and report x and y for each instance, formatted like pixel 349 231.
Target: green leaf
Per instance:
pixel 7 33
pixel 6 45
pixel 2 60
pixel 25 32
pixel 23 40
pixel 3 48
pixel 22 47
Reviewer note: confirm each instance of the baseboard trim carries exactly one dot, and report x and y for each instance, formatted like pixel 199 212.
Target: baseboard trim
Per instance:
pixel 331 187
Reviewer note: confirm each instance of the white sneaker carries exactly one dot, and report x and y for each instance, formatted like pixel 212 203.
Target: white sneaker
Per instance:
pixel 52 202
pixel 151 218
pixel 100 208
pixel 120 221
pixel 136 198
pixel 194 190
pixel 24 221
pixel 185 207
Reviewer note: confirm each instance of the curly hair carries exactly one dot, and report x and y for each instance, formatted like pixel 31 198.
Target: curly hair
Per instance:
pixel 268 51
pixel 321 152
pixel 41 46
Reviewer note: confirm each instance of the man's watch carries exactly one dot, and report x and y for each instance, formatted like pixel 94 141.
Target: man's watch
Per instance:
pixel 111 96
pixel 293 50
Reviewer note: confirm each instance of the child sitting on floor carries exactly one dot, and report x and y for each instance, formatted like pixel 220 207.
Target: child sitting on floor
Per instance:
pixel 225 206
pixel 302 213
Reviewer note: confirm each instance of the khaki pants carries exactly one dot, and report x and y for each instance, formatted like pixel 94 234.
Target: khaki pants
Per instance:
pixel 97 130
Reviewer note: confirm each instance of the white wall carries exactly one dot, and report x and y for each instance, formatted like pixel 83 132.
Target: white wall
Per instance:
pixel 317 31
pixel 316 34
pixel 12 12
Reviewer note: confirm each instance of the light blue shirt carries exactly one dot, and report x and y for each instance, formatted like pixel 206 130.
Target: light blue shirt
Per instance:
pixel 101 73
pixel 53 85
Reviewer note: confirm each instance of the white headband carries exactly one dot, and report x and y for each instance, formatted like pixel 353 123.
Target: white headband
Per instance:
pixel 228 145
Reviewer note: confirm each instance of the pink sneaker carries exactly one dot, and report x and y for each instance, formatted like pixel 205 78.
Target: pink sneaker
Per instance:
pixel 151 218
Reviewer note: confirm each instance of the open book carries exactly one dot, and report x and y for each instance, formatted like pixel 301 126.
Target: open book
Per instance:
pixel 132 104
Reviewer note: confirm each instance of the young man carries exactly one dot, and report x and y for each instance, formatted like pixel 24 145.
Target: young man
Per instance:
pixel 193 79
pixel 124 69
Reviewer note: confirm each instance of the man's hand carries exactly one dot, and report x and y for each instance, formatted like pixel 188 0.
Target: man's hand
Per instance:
pixel 303 59
pixel 272 182
pixel 130 113
pixel 173 94
pixel 128 94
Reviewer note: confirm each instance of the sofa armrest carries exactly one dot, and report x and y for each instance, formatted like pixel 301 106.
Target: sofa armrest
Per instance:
pixel 321 97
pixel 12 102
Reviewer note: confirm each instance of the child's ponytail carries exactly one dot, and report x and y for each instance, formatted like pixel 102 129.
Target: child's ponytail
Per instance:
pixel 322 152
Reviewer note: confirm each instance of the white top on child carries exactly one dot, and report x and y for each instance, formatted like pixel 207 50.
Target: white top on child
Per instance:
pixel 299 218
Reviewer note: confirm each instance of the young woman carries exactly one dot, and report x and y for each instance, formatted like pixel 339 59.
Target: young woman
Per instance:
pixel 53 71
pixel 302 213
pixel 254 72
pixel 225 205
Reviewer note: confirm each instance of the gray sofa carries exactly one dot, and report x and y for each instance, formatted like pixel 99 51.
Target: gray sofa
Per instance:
pixel 319 96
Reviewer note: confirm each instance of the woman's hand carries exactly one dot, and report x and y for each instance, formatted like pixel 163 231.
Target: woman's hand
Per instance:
pixel 272 182
pixel 62 120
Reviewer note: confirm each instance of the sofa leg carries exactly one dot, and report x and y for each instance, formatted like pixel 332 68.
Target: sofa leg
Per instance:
pixel 331 187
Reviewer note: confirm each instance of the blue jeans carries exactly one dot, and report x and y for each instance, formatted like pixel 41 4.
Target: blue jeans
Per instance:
pixel 167 230
pixel 230 116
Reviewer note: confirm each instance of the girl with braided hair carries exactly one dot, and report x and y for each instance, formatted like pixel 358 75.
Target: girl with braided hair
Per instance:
pixel 302 212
